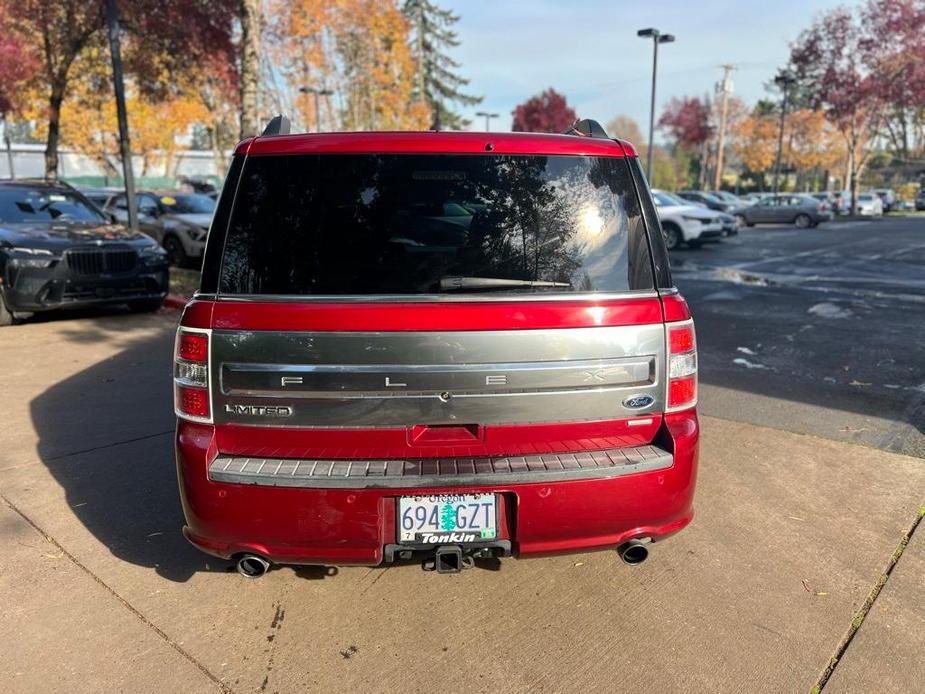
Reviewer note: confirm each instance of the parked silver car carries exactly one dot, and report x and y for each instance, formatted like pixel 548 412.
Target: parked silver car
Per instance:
pixel 178 221
pixel 802 210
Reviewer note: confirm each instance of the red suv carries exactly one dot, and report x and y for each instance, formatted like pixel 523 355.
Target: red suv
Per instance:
pixel 434 345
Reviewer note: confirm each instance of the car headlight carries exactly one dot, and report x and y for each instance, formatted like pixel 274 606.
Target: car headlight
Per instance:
pixel 33 257
pixel 697 220
pixel 22 250
pixel 153 255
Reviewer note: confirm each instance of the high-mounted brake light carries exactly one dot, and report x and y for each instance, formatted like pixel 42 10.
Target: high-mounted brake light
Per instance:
pixel 682 366
pixel 192 394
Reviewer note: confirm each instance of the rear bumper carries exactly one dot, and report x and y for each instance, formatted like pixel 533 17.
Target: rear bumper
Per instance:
pixel 344 526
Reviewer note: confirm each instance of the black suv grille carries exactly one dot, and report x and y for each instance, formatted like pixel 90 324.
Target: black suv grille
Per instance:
pixel 89 262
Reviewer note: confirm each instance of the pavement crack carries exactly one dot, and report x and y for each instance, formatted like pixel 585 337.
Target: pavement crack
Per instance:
pixel 125 603
pixel 375 580
pixel 865 608
pixel 104 446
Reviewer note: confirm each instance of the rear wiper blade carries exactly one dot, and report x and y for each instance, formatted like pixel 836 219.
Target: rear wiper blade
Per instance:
pixel 461 283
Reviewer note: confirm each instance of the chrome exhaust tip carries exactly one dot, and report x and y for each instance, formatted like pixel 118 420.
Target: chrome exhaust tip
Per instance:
pixel 252 566
pixel 633 552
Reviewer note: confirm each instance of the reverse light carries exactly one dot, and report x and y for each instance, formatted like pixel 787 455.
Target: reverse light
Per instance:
pixel 192 392
pixel 682 366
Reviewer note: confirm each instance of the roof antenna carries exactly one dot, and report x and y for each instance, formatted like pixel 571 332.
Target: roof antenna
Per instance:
pixel 279 125
pixel 587 128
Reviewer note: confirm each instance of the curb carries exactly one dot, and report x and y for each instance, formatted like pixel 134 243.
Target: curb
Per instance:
pixel 175 301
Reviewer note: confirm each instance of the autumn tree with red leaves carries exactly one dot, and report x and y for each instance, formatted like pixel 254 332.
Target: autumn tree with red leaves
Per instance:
pixel 687 121
pixel 18 64
pixel 69 36
pixel 544 113
pixel 894 50
pixel 833 62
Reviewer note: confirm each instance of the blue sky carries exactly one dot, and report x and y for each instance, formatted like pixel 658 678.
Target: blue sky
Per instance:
pixel 588 50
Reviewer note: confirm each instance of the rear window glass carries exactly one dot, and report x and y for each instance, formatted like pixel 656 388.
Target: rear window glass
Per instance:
pixel 430 224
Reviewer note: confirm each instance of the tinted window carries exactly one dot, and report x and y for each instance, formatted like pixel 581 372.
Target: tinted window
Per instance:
pixel 146 204
pixel 411 224
pixel 20 205
pixel 188 203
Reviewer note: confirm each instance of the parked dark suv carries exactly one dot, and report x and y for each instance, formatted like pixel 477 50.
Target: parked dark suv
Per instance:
pixel 58 250
pixel 448 346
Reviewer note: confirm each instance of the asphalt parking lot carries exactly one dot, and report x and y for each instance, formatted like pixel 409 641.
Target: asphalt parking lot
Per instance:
pixel 812 479
pixel 817 331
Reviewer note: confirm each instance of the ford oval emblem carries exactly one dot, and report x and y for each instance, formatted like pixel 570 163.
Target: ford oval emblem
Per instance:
pixel 636 402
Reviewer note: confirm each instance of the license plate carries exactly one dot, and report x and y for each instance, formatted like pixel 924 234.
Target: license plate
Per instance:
pixel 441 519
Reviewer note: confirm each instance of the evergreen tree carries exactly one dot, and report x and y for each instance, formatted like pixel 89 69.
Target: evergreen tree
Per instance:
pixel 437 81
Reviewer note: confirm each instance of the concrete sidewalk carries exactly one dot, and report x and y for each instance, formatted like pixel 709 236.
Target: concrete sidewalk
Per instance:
pixel 792 533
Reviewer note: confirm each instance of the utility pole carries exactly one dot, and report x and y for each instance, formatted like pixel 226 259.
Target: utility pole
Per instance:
pixel 250 65
pixel 784 80
pixel 488 116
pixel 8 144
pixel 725 87
pixel 657 38
pixel 419 40
pixel 112 25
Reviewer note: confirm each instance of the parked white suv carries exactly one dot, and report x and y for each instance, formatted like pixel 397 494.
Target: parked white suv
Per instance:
pixel 683 223
pixel 870 205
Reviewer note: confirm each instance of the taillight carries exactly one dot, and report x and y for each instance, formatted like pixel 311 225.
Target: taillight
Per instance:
pixel 192 396
pixel 682 366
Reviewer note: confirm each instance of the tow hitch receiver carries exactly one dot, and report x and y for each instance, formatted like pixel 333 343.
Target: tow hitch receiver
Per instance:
pixel 448 559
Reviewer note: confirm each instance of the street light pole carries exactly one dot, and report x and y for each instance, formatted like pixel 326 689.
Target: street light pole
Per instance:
pixel 657 38
pixel 784 80
pixel 112 25
pixel 318 94
pixel 488 117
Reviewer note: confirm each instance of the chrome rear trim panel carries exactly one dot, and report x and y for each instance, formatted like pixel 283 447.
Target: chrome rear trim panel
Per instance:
pixel 410 380
pixel 438 472
pixel 389 379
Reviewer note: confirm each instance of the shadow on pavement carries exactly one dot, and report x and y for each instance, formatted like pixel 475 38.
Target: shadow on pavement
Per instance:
pixel 106 436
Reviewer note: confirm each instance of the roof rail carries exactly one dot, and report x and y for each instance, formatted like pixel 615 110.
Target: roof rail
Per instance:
pixel 587 128
pixel 278 125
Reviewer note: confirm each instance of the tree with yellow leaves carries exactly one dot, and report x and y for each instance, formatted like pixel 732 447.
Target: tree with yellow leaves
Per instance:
pixel 755 141
pixel 356 48
pixel 813 143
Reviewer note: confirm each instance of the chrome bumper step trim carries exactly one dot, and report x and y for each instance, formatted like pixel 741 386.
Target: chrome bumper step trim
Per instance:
pixel 438 472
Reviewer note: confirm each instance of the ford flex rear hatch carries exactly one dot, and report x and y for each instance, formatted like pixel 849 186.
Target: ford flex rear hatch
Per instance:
pixel 443 346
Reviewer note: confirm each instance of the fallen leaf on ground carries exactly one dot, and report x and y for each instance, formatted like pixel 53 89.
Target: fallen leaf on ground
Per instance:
pixel 579 563
pixel 806 586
